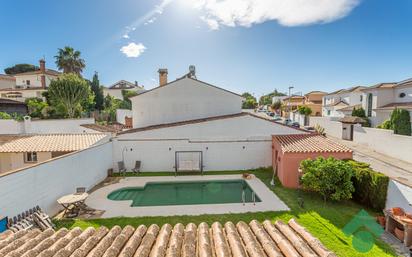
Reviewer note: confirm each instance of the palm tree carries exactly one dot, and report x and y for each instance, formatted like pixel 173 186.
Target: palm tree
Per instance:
pixel 68 60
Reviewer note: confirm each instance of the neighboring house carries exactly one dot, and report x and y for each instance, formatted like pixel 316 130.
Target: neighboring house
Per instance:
pixel 278 99
pixel 22 151
pixel 380 100
pixel 115 90
pixel 11 106
pixel 188 124
pixel 7 81
pixel 291 103
pixel 313 100
pixel 180 100
pixel 30 84
pixel 341 103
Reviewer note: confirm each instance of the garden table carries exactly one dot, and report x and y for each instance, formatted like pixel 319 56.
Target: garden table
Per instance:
pixel 75 200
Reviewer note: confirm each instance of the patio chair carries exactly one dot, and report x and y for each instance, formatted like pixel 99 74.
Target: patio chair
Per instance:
pixel 137 167
pixel 122 168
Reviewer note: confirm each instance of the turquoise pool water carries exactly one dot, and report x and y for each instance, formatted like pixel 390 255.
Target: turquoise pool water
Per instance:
pixel 186 193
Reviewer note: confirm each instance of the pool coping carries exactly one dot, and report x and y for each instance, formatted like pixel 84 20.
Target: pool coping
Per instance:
pixel 98 199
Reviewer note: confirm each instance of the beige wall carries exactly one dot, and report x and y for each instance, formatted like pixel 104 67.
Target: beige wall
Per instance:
pixel 12 161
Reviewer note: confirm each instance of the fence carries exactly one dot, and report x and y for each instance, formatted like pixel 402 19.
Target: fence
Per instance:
pixel 45 182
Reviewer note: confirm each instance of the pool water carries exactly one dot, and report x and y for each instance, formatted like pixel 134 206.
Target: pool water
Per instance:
pixel 186 193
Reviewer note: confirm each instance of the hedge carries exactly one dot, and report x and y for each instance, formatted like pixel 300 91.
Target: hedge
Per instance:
pixel 371 187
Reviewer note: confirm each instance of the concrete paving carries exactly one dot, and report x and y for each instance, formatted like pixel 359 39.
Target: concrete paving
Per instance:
pixel 396 169
pixel 98 199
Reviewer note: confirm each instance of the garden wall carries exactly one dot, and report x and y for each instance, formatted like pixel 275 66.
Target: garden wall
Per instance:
pixel 70 126
pixel 45 182
pixel 333 128
pixel 384 141
pixel 399 195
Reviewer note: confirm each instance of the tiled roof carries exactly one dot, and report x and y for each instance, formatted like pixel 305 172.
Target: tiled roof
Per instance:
pixel 350 108
pixel 7 77
pixel 10 101
pixel 124 84
pixel 391 106
pixel 381 86
pixel 352 119
pixel 51 143
pixel 104 128
pixel 308 143
pixel 47 72
pixel 241 240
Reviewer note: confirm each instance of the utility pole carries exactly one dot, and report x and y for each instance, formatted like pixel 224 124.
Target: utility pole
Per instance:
pixel 290 88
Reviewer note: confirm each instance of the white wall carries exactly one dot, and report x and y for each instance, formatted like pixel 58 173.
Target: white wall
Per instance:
pixel 184 99
pixel 44 183
pixel 385 141
pixel 228 144
pixel 12 161
pixel 10 127
pixel 121 114
pixel 333 128
pixel 70 126
pixel 399 195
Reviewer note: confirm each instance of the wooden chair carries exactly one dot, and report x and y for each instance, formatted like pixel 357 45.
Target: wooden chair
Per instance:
pixel 136 168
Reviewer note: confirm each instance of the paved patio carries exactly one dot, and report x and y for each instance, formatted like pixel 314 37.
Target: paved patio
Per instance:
pixel 98 199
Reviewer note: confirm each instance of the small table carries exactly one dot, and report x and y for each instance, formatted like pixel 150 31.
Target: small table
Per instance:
pixel 76 200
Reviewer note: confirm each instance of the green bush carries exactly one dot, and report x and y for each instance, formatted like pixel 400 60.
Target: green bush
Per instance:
pixel 385 125
pixel 371 187
pixel 329 177
pixel 401 122
pixel 5 116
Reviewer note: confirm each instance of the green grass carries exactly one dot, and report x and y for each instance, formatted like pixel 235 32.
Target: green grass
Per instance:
pixel 323 219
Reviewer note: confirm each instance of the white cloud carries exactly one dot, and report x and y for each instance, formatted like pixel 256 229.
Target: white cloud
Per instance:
pixel 286 12
pixel 126 36
pixel 133 49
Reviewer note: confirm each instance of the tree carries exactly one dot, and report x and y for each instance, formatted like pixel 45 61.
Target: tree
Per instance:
pixel 360 112
pixel 126 103
pixel 36 107
pixel 331 178
pixel 111 104
pixel 267 99
pixel 98 92
pixel 5 116
pixel 304 110
pixel 68 60
pixel 249 102
pixel 401 122
pixel 277 105
pixel 20 68
pixel 70 91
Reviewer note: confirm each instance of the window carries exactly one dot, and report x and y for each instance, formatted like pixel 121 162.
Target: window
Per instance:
pixel 369 105
pixel 361 98
pixel 402 95
pixel 30 157
pixel 328 112
pixel 28 82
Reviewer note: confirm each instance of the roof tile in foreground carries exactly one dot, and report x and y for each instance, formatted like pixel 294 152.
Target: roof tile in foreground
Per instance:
pixel 229 240
pixel 51 143
pixel 309 143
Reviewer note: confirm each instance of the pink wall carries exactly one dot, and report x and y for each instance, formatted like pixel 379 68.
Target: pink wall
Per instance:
pixel 288 163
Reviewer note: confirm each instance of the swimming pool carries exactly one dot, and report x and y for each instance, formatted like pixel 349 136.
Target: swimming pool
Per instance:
pixel 187 193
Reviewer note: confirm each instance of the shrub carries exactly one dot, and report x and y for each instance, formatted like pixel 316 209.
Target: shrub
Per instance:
pixel 385 125
pixel 5 116
pixel 401 122
pixel 329 177
pixel 371 187
pixel 358 112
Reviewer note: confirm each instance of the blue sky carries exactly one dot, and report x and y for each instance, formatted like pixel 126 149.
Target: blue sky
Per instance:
pixel 241 45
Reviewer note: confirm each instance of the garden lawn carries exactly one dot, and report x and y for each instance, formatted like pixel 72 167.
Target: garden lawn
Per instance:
pixel 324 220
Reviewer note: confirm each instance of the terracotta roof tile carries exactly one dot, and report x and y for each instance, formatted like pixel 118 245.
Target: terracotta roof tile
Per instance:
pixel 391 106
pixel 253 239
pixel 308 143
pixel 51 143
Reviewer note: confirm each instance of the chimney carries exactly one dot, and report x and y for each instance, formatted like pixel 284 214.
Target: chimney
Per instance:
pixel 136 84
pixel 43 71
pixel 162 77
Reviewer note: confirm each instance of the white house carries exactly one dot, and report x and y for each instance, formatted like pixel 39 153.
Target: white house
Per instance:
pixel 341 102
pixel 380 100
pixel 115 90
pixel 30 84
pixel 190 124
pixel 183 99
pixel 7 81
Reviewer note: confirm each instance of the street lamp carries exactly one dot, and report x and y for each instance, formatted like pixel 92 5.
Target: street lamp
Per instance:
pixel 290 88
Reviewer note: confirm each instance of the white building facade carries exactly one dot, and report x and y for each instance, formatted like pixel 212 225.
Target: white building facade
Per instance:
pixel 341 103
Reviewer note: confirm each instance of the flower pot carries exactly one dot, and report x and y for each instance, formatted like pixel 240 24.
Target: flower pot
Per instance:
pixel 400 234
pixel 397 211
pixel 381 220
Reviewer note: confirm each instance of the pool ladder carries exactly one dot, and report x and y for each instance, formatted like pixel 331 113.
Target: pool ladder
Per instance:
pixel 244 197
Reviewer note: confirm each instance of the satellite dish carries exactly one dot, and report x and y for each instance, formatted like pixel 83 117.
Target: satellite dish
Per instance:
pixel 192 71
